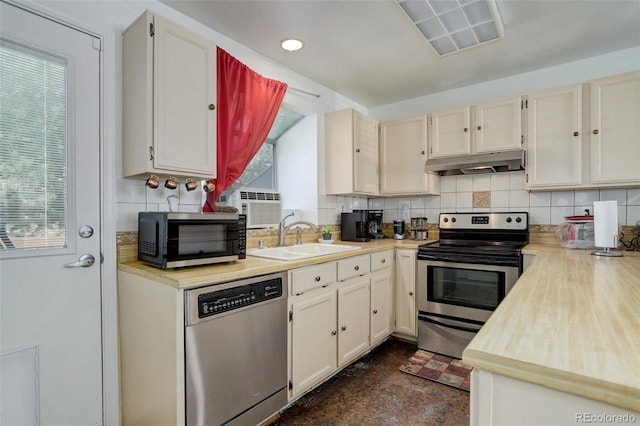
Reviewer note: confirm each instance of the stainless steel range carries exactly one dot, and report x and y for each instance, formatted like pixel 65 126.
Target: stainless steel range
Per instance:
pixel 464 275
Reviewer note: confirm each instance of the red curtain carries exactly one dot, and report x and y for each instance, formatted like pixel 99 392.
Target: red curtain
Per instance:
pixel 247 106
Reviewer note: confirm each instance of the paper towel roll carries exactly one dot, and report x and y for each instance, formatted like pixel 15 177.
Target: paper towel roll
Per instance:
pixel 605 223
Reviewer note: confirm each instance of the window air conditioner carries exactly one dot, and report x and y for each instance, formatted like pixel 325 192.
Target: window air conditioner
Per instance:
pixel 263 208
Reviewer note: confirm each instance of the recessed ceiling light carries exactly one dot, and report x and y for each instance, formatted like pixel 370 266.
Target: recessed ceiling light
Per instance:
pixel 454 25
pixel 291 44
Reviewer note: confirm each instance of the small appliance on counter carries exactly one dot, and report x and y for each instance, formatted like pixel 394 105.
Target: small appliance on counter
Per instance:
pixel 355 226
pixel 419 229
pixel 577 232
pixel 375 224
pixel 172 240
pixel 398 229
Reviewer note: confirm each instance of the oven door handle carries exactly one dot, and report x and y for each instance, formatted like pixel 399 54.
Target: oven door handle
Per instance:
pixel 442 324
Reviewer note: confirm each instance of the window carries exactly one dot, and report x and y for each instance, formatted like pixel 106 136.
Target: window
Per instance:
pixel 261 170
pixel 33 136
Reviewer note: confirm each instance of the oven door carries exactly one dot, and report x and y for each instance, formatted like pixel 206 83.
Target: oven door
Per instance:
pixel 462 290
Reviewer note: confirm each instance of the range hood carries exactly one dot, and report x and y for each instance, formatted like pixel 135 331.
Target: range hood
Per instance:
pixel 477 163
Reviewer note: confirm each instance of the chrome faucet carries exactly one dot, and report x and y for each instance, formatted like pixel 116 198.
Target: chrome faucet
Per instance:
pixel 282 230
pixel 280 242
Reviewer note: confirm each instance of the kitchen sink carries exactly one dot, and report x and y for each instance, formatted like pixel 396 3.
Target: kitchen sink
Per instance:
pixel 298 252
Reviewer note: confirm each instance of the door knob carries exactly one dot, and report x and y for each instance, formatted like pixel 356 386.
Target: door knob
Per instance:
pixel 85 261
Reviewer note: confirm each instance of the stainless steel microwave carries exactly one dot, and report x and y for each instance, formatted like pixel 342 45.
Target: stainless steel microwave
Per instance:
pixel 171 240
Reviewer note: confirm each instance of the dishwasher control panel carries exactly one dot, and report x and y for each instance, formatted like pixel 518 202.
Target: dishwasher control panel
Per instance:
pixel 217 302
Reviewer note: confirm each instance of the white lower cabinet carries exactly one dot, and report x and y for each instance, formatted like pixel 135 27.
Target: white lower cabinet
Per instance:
pixel 381 305
pixel 331 317
pixel 405 292
pixel 499 400
pixel 381 296
pixel 313 338
pixel 353 319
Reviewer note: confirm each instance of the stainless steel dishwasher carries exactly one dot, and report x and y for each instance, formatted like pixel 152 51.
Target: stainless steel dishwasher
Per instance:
pixel 236 351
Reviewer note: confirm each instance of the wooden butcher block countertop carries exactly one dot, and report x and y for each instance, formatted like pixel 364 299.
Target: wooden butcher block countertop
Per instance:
pixel 197 276
pixel 571 323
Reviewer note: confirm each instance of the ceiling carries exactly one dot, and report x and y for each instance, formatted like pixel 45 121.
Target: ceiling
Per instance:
pixel 368 51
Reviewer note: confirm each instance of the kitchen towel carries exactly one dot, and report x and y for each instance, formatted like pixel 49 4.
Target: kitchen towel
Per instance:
pixel 605 221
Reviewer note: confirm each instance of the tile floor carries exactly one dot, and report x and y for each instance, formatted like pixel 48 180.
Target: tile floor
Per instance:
pixel 373 391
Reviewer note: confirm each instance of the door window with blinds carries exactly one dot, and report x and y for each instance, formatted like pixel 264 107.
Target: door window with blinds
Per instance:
pixel 33 150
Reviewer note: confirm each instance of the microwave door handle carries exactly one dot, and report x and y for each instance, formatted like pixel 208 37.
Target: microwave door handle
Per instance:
pixel 442 324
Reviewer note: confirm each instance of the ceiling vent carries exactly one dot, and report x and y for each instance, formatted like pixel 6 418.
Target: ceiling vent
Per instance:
pixel 454 25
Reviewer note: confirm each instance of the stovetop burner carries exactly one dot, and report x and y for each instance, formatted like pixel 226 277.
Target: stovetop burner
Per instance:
pixel 499 234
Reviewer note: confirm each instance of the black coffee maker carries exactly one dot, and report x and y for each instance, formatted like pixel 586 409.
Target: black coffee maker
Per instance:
pixel 375 225
pixel 354 226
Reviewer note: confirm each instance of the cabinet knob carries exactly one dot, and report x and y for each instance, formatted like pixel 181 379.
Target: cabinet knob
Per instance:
pixel 357 149
pixel 410 293
pixel 375 311
pixel 357 268
pixel 422 152
pixel 576 133
pixel 479 127
pixel 212 107
pixel 383 260
pixel 333 333
pixel 466 129
pixel 343 328
pixel 317 278
pixel 596 131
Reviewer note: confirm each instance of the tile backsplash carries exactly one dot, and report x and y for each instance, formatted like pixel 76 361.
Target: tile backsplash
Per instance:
pixel 490 192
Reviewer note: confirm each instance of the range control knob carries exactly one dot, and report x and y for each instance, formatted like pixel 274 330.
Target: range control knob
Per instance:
pixel 446 219
pixel 518 219
pixel 453 220
pixel 508 220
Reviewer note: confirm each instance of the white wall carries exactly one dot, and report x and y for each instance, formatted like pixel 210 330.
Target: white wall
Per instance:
pixel 570 73
pixel 297 169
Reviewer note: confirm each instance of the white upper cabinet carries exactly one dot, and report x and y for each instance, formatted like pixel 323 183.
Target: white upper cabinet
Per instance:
pixel 488 127
pixel 169 100
pixel 351 153
pixel 403 152
pixel 498 125
pixel 450 132
pixel 554 137
pixel 585 135
pixel 614 132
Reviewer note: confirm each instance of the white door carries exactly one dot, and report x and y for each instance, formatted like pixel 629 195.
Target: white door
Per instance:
pixel 450 135
pixel 50 311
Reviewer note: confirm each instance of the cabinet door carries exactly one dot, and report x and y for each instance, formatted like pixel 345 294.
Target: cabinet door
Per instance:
pixel 615 129
pixel 381 305
pixel 365 157
pixel 450 133
pixel 554 144
pixel 498 125
pixel 185 98
pixel 353 319
pixel 313 338
pixel 405 292
pixel 351 153
pixel 403 149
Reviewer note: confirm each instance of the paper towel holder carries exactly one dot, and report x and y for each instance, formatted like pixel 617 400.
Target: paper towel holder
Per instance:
pixel 606 228
pixel 606 252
